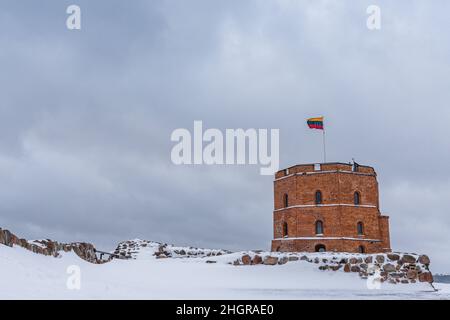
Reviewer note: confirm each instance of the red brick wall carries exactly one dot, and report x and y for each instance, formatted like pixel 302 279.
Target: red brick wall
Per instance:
pixel 338 213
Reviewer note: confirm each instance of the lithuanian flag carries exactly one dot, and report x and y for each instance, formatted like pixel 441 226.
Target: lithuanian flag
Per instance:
pixel 315 123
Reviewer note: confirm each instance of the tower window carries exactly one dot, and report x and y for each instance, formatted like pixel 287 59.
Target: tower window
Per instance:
pixel 285 200
pixel 360 228
pixel 318 197
pixel 320 248
pixel 361 249
pixel 285 230
pixel 319 227
pixel 356 198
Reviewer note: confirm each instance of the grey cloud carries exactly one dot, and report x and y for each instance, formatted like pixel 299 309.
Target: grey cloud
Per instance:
pixel 86 116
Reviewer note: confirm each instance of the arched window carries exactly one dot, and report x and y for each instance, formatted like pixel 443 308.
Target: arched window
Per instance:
pixel 360 228
pixel 285 200
pixel 361 249
pixel 318 197
pixel 320 248
pixel 356 198
pixel 285 229
pixel 319 227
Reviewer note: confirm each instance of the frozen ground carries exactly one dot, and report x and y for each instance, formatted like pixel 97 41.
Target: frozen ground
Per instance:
pixel 25 275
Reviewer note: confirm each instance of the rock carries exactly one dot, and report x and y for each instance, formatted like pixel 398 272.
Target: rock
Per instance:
pixel 411 274
pixel 388 267
pixel 353 260
pixel 182 252
pixel 355 269
pixel 407 258
pixel 426 277
pixel 236 263
pixel 343 261
pixel 316 260
pixel 257 259
pixel 360 260
pixel 303 258
pixel 324 260
pixel 368 259
pixel 404 281
pixel 336 267
pixel 211 261
pixel 393 256
pixel 246 259
pixel 270 260
pixel 293 258
pixel 283 260
pixel 347 267
pixel 323 268
pixel 379 258
pixel 424 259
pixel 363 266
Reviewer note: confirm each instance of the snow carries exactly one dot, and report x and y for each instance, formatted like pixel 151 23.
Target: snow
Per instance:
pixel 25 275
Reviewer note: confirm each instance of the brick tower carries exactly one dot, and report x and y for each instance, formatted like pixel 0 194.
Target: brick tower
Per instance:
pixel 328 207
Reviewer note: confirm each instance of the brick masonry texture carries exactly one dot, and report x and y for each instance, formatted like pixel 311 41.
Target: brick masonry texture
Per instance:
pixel 337 211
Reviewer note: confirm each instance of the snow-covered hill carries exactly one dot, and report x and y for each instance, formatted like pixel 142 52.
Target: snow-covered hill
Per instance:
pixel 24 274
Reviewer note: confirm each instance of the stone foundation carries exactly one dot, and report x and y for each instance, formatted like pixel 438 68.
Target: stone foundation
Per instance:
pixel 391 267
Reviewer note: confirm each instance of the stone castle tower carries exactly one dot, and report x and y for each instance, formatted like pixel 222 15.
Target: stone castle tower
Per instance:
pixel 329 207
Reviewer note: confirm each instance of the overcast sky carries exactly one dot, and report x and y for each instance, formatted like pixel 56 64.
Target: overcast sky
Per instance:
pixel 86 115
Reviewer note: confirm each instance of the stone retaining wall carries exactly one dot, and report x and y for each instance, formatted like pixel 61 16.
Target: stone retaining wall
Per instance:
pixel 391 267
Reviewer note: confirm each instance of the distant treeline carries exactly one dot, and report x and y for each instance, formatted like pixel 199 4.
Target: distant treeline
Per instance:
pixel 443 278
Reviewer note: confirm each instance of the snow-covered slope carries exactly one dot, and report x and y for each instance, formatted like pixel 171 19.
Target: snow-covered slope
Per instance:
pixel 24 274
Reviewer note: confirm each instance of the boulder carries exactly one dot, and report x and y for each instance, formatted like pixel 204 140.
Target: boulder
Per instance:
pixel 257 259
pixel 426 277
pixel 347 267
pixel 293 258
pixel 269 260
pixel 407 258
pixel 353 261
pixel 368 259
pixel 424 259
pixel 393 256
pixel 389 268
pixel 246 259
pixel 379 258
pixel 336 267
pixel 355 269
pixel 283 260
pixel 323 268
pixel 411 274
pixel 304 258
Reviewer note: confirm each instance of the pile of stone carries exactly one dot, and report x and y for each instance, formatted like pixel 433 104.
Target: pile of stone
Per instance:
pixel 391 267
pixel 49 247
pixel 131 249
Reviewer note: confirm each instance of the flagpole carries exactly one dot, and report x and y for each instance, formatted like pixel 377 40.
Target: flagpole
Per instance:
pixel 324 148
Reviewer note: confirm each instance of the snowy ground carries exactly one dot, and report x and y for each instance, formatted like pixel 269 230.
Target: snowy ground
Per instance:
pixel 25 275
